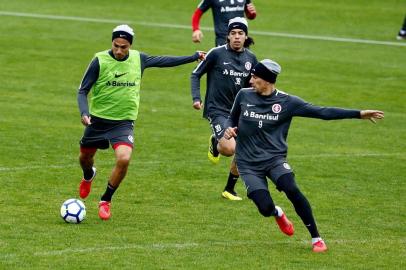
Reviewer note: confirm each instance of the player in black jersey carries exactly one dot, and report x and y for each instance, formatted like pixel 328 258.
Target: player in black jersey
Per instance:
pixel 228 69
pixel 223 11
pixel 261 117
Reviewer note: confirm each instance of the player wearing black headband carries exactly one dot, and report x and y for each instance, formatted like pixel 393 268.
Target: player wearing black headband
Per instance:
pixel 260 121
pixel 114 79
pixel 228 69
pixel 223 11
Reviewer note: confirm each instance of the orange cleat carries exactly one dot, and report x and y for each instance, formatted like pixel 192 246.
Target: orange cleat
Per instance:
pixel 85 185
pixel 104 210
pixel 319 246
pixel 285 225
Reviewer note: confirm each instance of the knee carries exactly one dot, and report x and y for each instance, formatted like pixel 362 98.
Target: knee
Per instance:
pixel 263 201
pixel 85 156
pixel 266 210
pixel 123 160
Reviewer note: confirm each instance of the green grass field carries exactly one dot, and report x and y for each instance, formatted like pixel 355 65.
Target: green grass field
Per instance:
pixel 168 213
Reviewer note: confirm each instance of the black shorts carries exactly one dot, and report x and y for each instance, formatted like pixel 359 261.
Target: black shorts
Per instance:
pixel 103 132
pixel 255 176
pixel 217 124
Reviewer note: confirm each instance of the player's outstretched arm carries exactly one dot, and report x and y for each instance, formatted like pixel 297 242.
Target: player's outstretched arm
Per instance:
pixel 372 115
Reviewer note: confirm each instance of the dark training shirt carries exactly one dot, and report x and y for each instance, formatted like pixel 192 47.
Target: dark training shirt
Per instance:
pixel 263 122
pixel 227 72
pixel 223 11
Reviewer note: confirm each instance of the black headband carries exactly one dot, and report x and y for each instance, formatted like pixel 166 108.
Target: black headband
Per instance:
pixel 263 72
pixel 122 34
pixel 238 25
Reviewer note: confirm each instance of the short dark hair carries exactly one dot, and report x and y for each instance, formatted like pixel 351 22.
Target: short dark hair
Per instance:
pixel 247 43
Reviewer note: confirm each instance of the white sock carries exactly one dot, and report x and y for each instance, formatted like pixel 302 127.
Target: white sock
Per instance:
pixel 279 210
pixel 315 240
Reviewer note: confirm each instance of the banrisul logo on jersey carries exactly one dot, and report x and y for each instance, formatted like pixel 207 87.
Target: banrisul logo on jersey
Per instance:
pixel 116 75
pixel 261 116
pixel 234 73
pixel 237 75
pixel 236 5
pixel 117 83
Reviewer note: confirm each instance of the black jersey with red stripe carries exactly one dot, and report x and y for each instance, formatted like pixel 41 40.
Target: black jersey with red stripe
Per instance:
pixel 223 11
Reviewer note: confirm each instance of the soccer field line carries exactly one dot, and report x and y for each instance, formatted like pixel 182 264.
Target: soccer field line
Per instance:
pixel 179 246
pixel 200 161
pixel 179 26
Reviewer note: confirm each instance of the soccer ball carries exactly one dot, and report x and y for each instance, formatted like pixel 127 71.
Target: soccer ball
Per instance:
pixel 73 211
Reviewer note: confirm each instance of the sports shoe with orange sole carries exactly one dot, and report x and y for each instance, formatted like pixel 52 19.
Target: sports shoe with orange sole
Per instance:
pixel 104 210
pixel 319 246
pixel 85 185
pixel 285 225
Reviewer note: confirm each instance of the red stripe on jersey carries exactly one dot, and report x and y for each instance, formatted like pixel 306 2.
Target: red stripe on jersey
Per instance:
pixel 196 19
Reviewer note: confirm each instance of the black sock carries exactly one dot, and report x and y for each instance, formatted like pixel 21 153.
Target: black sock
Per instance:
pixel 88 174
pixel 287 184
pixel 232 180
pixel 304 211
pixel 109 193
pixel 214 143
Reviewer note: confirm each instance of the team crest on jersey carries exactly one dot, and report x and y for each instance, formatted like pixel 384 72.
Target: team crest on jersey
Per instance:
pixel 248 65
pixel 276 108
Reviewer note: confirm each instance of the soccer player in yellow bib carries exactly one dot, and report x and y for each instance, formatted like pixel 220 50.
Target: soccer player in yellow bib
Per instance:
pixel 113 78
